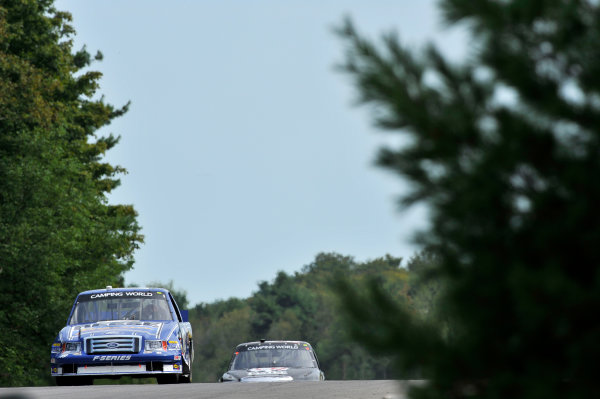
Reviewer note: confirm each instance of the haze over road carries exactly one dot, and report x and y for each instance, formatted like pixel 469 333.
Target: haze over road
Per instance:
pixel 380 389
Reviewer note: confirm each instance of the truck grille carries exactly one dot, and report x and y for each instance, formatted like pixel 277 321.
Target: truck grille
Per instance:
pixel 112 344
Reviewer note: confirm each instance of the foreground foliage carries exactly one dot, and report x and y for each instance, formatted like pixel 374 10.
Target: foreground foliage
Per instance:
pixel 504 150
pixel 58 234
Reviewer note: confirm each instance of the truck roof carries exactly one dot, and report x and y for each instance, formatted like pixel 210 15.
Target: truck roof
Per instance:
pixel 124 289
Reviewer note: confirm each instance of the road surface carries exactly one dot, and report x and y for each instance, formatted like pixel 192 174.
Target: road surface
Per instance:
pixel 379 389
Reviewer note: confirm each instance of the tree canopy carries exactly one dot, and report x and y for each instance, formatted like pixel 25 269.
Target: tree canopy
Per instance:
pixel 503 148
pixel 58 233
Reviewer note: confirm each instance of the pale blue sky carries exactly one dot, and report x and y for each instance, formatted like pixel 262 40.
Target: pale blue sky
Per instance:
pixel 245 152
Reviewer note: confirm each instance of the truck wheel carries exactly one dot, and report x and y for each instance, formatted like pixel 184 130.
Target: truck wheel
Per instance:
pixel 186 377
pixel 168 379
pixel 63 381
pixel 72 381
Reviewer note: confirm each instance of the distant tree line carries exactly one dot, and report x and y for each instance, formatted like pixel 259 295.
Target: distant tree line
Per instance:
pixel 306 306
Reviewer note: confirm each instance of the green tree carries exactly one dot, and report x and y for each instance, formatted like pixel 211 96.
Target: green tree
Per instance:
pixel 58 234
pixel 425 289
pixel 504 150
pixel 180 296
pixel 284 296
pixel 218 328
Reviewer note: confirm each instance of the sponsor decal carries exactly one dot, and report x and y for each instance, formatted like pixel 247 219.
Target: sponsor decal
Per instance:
pixel 138 293
pixel 268 371
pixel 109 326
pixel 109 358
pixel 173 345
pixel 56 347
pixel 106 295
pixel 119 294
pixel 261 347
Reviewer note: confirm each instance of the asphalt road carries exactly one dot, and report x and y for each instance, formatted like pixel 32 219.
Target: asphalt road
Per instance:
pixel 380 389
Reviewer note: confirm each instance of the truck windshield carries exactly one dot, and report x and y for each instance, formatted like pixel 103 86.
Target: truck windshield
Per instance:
pixel 272 358
pixel 90 310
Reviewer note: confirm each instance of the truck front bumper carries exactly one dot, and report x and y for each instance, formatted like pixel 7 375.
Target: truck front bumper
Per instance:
pixel 107 365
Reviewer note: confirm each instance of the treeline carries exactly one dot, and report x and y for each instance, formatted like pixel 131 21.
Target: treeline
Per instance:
pixel 58 234
pixel 306 306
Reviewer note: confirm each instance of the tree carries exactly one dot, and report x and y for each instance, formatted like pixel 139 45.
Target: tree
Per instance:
pixel 425 289
pixel 58 233
pixel 218 328
pixel 283 306
pixel 503 148
pixel 180 296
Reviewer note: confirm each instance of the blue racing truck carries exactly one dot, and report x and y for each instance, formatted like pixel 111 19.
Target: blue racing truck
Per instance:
pixel 115 332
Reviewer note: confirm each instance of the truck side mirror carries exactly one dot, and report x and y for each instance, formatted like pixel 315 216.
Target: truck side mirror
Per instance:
pixel 185 315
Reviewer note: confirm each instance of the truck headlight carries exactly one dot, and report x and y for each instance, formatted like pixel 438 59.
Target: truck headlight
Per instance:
pixel 71 347
pixel 228 377
pixel 153 346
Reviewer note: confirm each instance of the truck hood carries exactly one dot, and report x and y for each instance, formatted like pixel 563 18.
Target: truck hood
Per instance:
pixel 146 329
pixel 275 374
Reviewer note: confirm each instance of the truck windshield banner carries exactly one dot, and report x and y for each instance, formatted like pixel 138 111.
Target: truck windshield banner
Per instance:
pixel 273 346
pixel 120 294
